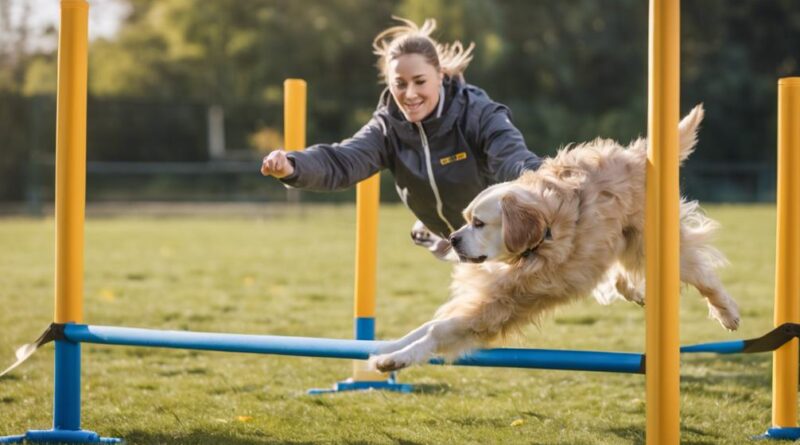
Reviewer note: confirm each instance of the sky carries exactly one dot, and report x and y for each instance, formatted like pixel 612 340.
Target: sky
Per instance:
pixel 105 17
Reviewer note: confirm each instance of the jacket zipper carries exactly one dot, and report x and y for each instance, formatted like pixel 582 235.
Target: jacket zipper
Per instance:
pixel 429 165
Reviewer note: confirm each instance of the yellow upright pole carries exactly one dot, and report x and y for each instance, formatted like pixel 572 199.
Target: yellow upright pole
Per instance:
pixel 294 114
pixel 71 160
pixel 294 122
pixel 661 226
pixel 787 273
pixel 367 203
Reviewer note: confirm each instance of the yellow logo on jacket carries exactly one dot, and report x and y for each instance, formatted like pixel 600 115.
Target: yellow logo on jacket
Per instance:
pixel 456 157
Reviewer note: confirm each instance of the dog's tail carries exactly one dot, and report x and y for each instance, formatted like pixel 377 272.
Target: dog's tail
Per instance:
pixel 687 131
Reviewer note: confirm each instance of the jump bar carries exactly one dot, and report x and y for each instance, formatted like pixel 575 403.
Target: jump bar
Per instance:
pixel 622 362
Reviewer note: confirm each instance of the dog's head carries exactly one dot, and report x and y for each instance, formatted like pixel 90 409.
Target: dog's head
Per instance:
pixel 504 223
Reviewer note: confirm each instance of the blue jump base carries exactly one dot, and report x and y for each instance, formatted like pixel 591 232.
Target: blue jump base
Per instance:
pixel 365 330
pixel 780 433
pixel 66 405
pixel 389 384
pixel 59 436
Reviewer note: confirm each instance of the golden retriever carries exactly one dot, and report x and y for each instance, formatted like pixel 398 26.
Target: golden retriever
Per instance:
pixel 572 228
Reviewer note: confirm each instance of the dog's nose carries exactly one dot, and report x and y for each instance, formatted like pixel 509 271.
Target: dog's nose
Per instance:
pixel 455 240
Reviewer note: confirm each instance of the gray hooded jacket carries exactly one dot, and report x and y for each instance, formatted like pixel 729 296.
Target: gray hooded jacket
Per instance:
pixel 439 165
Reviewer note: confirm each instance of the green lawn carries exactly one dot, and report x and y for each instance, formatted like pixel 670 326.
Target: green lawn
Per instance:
pixel 291 273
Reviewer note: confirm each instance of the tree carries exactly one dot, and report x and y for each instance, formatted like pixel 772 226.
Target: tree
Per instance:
pixel 14 43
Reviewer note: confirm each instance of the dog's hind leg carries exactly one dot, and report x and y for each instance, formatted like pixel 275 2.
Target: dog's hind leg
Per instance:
pixel 698 265
pixel 721 306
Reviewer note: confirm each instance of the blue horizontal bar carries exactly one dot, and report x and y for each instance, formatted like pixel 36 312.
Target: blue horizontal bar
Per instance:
pixel 207 341
pixel 554 359
pixel 347 349
pixel 723 347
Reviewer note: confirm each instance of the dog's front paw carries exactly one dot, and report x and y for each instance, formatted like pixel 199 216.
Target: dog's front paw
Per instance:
pixel 441 249
pixel 387 362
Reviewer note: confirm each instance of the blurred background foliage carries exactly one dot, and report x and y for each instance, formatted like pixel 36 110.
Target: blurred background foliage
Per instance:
pixel 570 71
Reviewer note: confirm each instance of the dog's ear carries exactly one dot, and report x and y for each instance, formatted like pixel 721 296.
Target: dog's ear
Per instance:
pixel 523 224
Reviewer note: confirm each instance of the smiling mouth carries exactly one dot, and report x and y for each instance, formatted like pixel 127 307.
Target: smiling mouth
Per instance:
pixel 413 107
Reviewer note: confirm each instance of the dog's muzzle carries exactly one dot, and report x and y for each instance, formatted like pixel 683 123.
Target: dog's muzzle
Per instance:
pixel 455 241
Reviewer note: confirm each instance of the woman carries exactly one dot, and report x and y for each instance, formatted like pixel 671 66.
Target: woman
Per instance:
pixel 443 140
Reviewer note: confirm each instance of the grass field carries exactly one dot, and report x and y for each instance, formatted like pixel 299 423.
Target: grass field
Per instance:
pixel 291 273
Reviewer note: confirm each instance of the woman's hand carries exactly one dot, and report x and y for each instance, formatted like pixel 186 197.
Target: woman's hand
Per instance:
pixel 276 164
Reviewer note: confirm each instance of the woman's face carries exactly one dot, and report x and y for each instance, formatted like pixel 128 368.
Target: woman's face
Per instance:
pixel 414 84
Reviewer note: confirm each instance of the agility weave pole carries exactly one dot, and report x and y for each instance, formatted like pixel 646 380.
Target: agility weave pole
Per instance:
pixel 787 261
pixel 365 286
pixel 71 97
pixel 365 291
pixel 662 333
pixel 662 270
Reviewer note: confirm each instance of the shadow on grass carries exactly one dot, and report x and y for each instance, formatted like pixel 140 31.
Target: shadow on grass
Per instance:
pixel 563 443
pixel 201 438
pixel 636 434
pixel 743 371
pixel 727 360
pixel 431 388
pixel 211 438
pixel 395 440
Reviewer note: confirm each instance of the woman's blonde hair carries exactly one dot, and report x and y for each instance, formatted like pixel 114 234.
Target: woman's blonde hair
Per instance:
pixel 408 38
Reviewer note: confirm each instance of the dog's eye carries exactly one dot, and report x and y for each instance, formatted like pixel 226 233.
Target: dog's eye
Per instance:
pixel 477 223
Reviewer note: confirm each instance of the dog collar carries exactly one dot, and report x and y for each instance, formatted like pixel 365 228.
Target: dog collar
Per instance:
pixel 547 236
